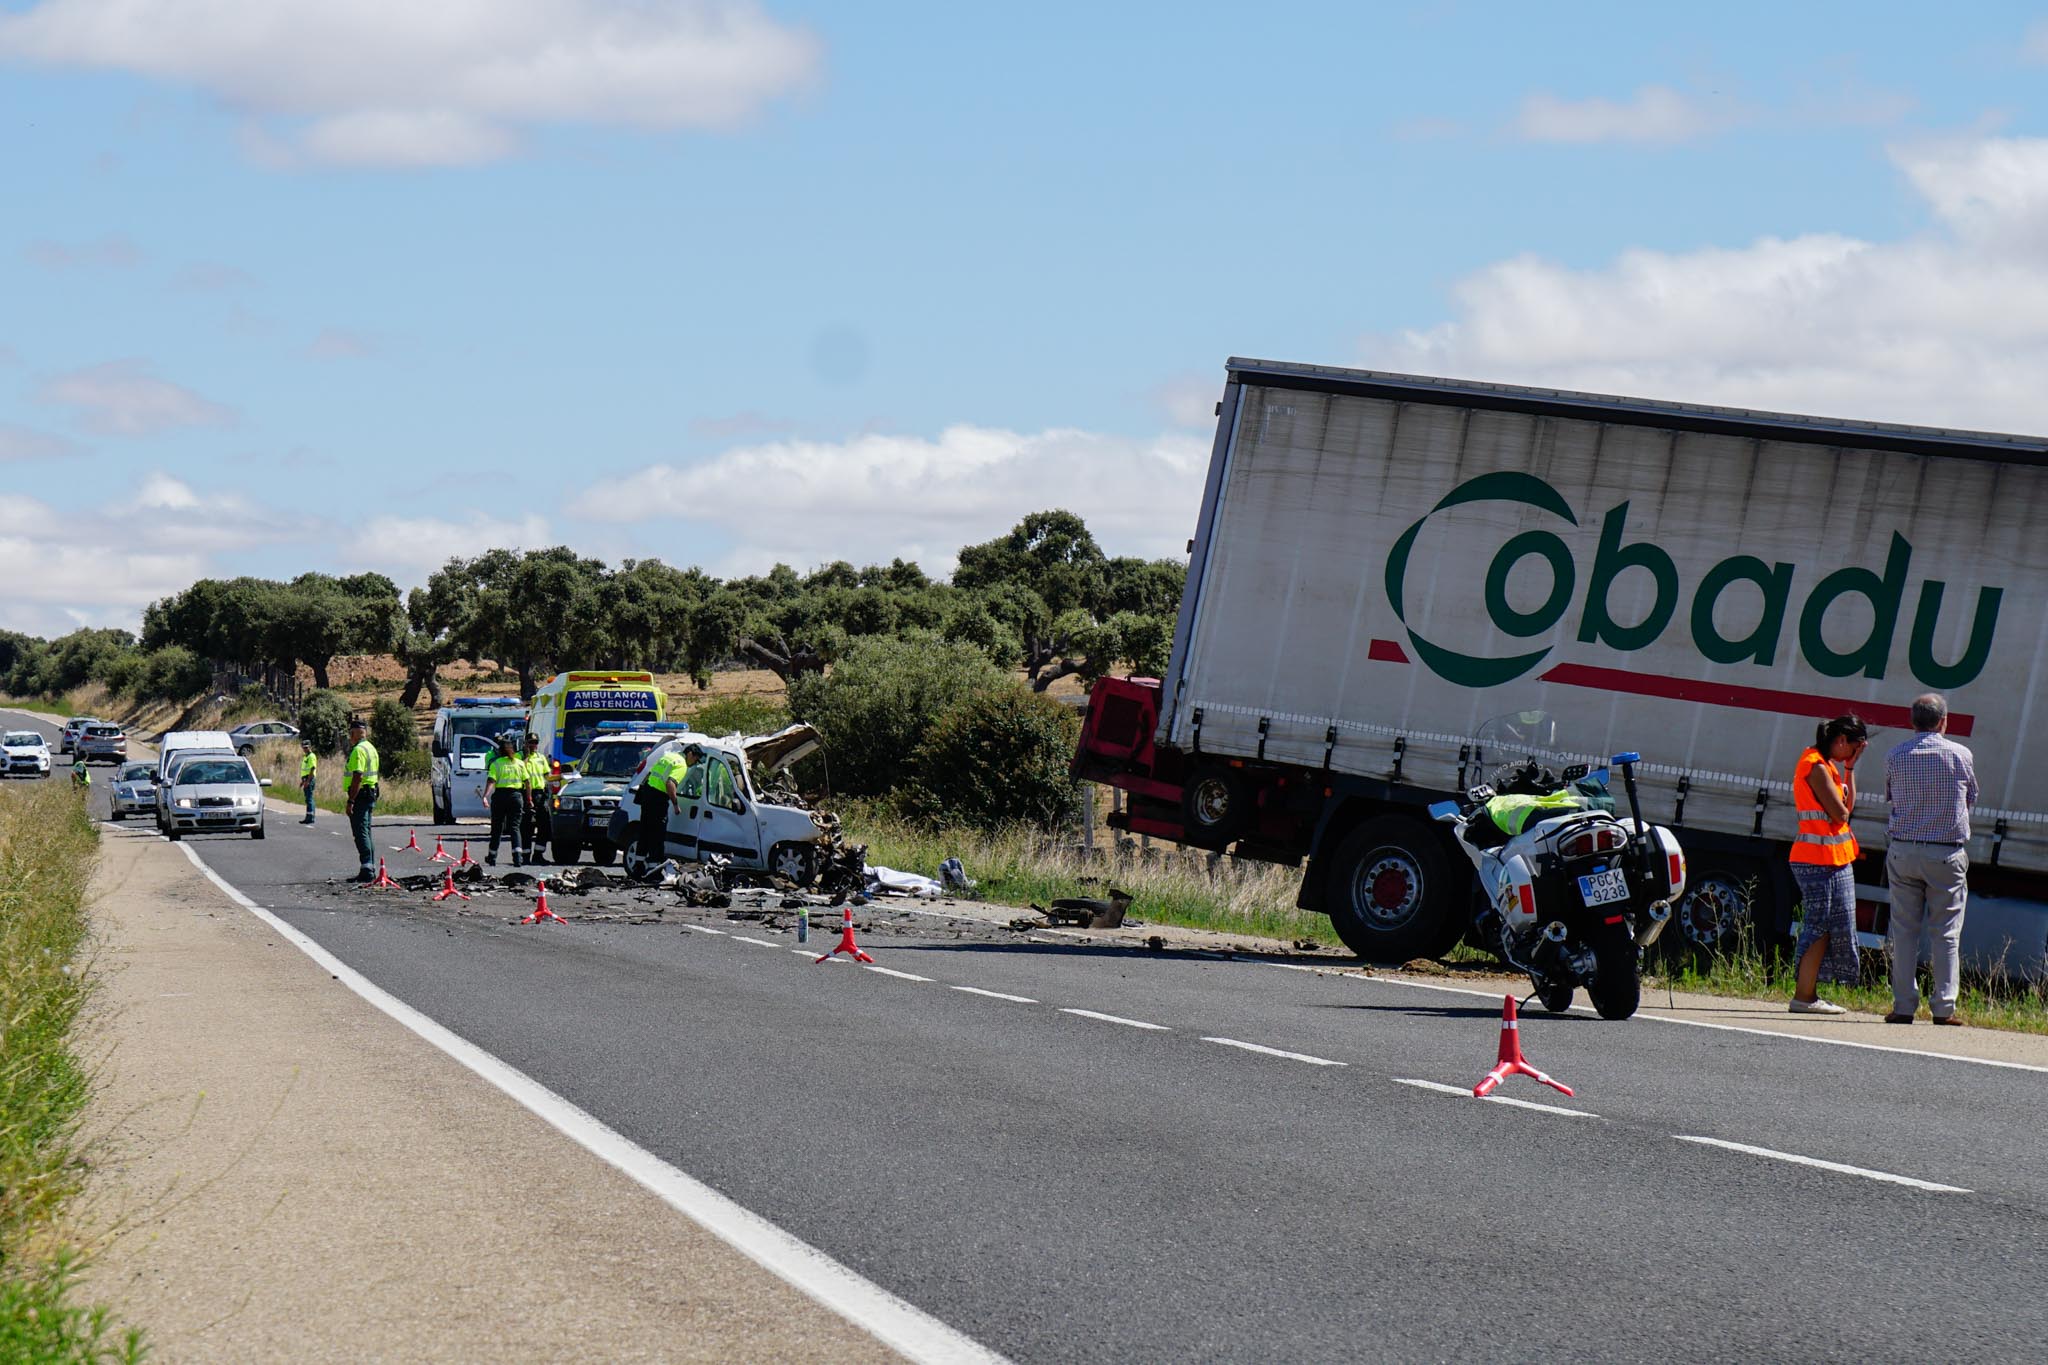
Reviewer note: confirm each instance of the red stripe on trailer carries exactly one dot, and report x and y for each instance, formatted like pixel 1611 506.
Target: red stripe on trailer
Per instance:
pixel 1387 652
pixel 1741 698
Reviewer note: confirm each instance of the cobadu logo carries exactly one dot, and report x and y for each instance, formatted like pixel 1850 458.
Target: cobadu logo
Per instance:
pixel 1524 557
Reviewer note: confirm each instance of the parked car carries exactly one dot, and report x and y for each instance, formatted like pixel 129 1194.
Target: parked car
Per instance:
pixel 28 754
pixel 102 743
pixel 589 795
pixel 134 790
pixel 727 813
pixel 214 794
pixel 68 736
pixel 257 732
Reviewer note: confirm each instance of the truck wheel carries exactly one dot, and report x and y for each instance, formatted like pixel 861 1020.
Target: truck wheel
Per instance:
pixel 1215 806
pixel 795 862
pixel 602 853
pixel 1390 891
pixel 565 850
pixel 1724 904
pixel 1617 986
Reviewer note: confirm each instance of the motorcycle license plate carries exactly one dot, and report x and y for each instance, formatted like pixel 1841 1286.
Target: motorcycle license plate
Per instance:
pixel 1604 888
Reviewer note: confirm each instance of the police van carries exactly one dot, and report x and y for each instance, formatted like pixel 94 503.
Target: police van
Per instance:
pixel 465 732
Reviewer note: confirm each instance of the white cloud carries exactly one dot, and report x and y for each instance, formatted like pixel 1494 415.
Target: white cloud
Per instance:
pixel 22 443
pixel 1657 113
pixel 872 498
pixel 411 548
pixel 1189 400
pixel 1947 327
pixel 124 398
pixel 398 82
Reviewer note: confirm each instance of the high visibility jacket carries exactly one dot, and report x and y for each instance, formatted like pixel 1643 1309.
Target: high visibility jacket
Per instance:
pixel 670 767
pixel 362 760
pixel 537 771
pixel 508 774
pixel 1513 812
pixel 309 765
pixel 1821 841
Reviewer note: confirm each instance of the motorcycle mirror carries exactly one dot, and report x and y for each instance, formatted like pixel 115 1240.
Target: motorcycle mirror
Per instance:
pixel 1575 772
pixel 1444 810
pixel 1622 760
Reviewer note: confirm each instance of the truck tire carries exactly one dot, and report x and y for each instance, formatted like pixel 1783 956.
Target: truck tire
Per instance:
pixel 566 851
pixel 1391 893
pixel 1617 985
pixel 1215 806
pixel 1727 903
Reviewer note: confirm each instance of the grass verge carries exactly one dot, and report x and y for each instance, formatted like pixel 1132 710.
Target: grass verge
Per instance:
pixel 44 706
pixel 396 796
pixel 47 850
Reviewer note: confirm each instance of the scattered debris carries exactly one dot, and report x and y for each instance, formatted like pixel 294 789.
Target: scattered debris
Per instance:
pixel 887 881
pixel 1156 943
pixel 1090 913
pixel 1423 966
pixel 954 877
pixel 1306 945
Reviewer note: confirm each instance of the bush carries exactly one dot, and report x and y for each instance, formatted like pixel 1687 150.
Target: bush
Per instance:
pixel 997 759
pixel 405 765
pixel 173 673
pixel 877 703
pixel 392 728
pixel 323 719
pixel 739 716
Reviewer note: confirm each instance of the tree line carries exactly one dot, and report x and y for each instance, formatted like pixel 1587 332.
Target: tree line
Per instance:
pixel 1042 598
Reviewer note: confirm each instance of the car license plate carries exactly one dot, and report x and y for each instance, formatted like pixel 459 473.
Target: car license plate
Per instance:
pixel 1604 888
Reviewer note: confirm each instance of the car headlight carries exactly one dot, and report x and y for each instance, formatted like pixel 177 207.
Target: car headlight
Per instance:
pixel 245 803
pixel 569 803
pixel 183 803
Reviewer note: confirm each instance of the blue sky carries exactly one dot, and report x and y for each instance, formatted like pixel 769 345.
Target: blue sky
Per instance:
pixel 280 291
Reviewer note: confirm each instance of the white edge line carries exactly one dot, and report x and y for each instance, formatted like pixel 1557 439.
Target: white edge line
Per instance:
pixel 1118 1019
pixel 997 995
pixel 757 942
pixel 702 930
pixel 891 971
pixel 1688 1023
pixel 1464 1093
pixel 1276 1052
pixel 1814 1161
pixel 899 1324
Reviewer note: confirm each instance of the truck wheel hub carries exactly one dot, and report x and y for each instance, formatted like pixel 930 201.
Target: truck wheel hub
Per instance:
pixel 1390 887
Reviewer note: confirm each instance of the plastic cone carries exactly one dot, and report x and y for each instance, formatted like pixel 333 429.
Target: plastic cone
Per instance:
pixel 540 909
pixel 448 886
pixel 441 853
pixel 846 944
pixel 411 844
pixel 465 860
pixel 1511 1062
pixel 383 879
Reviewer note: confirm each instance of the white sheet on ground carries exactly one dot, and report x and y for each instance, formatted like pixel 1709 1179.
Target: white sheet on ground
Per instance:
pixel 887 881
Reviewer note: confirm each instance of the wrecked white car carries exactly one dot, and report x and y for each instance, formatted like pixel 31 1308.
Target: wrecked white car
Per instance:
pixel 727 812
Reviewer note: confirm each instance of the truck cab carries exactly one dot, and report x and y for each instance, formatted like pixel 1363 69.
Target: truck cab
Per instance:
pixel 464 733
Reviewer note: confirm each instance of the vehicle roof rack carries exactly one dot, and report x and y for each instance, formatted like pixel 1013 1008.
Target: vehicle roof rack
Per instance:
pixel 667 727
pixel 485 701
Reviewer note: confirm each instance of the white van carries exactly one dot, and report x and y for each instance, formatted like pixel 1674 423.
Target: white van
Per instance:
pixel 217 740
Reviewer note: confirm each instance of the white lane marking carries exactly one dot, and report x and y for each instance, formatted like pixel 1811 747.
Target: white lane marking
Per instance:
pixel 1816 1162
pixel 757 942
pixel 1276 1052
pixel 1689 1023
pixel 1466 1093
pixel 997 995
pixel 1118 1019
pixel 702 930
pixel 891 971
pixel 867 1305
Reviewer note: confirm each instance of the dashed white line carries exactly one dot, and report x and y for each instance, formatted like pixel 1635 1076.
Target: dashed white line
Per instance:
pixel 891 971
pixel 702 930
pixel 1835 1166
pixel 1276 1052
pixel 1118 1019
pixel 757 942
pixel 1465 1093
pixel 997 995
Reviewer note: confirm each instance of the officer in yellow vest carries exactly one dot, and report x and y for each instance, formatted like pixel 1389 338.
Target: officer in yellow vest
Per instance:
pixel 309 773
pixel 505 791
pixel 658 794
pixel 362 773
pixel 538 826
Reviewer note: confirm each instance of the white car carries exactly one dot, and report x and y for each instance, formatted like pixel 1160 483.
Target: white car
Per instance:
pixel 134 790
pixel 724 813
pixel 28 753
pixel 213 794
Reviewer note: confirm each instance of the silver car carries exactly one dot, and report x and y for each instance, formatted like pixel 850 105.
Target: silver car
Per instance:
pixel 214 794
pixel 259 732
pixel 134 790
pixel 101 742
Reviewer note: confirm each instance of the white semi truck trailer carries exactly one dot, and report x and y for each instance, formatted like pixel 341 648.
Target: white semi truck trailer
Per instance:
pixel 1386 562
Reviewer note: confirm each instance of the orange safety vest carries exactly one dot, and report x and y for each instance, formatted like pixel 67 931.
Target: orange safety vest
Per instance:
pixel 1822 842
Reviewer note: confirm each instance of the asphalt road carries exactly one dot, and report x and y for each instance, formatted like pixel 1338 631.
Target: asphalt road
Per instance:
pixel 1153 1186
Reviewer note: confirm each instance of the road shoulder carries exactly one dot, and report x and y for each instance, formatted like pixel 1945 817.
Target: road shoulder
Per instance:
pixel 285 1172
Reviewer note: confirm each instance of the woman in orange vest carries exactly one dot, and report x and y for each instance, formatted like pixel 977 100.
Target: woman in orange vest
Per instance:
pixel 1824 861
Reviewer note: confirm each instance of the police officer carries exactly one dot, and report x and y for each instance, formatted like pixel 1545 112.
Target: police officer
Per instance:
pixel 659 793
pixel 361 777
pixel 537 824
pixel 309 773
pixel 505 792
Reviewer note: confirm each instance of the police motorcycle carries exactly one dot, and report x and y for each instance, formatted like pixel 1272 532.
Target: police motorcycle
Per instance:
pixel 1572 892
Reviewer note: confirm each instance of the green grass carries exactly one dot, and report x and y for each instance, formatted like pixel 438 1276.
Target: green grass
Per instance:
pixel 47 851
pixel 40 705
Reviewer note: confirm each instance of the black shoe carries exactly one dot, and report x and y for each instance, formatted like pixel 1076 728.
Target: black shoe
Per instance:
pixel 490 860
pixel 537 859
pixel 1898 1018
pixel 364 877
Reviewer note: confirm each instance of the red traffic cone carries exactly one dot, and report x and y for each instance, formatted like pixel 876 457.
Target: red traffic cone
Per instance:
pixel 846 944
pixel 541 911
pixel 411 844
pixel 1511 1063
pixel 448 886
pixel 383 878
pixel 465 860
pixel 441 853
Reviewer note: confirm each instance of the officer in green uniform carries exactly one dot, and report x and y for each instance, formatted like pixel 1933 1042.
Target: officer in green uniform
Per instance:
pixel 505 791
pixel 658 794
pixel 361 778
pixel 309 773
pixel 538 828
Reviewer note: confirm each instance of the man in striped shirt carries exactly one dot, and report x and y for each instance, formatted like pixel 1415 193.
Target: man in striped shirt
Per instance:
pixel 1931 783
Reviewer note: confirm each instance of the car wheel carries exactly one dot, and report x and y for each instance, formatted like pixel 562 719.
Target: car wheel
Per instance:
pixel 256 833
pixel 173 835
pixel 565 851
pixel 120 815
pixel 602 853
pixel 247 751
pixel 1390 891
pixel 794 862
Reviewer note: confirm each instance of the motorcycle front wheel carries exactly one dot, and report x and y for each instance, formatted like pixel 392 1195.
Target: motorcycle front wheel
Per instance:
pixel 1556 999
pixel 1617 985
